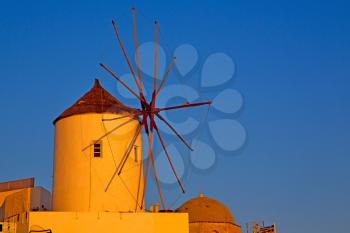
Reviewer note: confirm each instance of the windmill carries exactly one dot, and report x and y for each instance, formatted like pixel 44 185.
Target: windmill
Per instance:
pixel 148 113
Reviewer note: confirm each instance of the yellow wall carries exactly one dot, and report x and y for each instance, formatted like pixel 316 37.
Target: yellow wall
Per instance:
pixel 80 179
pixel 97 222
pixel 3 195
pixel 13 203
pixel 10 227
pixel 16 203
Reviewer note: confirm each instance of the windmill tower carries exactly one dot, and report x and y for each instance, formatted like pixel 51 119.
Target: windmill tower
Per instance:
pixel 85 162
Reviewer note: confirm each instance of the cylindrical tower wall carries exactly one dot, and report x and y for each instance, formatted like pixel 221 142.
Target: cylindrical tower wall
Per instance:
pixel 81 173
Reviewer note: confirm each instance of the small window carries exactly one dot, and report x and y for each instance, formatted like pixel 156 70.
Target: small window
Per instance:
pixel 97 149
pixel 0 227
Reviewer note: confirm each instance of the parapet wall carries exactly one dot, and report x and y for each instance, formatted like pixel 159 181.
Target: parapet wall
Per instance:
pixel 108 222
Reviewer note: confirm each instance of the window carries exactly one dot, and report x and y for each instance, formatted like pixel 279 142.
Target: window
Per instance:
pixel 0 227
pixel 97 149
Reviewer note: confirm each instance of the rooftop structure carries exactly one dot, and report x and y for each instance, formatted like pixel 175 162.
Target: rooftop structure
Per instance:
pixel 208 215
pixel 96 100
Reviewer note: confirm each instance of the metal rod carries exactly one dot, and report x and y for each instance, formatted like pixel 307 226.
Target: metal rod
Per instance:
pixel 183 106
pixel 108 133
pixel 155 56
pixel 150 137
pixel 131 145
pixel 121 81
pixel 124 158
pixel 118 118
pixel 136 46
pixel 174 130
pixel 166 75
pixel 157 182
pixel 139 183
pixel 126 56
pixel 169 159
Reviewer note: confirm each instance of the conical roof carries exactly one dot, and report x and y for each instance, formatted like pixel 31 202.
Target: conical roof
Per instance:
pixel 96 100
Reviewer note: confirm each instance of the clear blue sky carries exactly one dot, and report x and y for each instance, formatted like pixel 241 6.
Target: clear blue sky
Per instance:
pixel 292 59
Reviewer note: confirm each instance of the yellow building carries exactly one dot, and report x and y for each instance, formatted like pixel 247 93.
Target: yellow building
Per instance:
pixel 17 198
pixel 85 163
pixel 95 188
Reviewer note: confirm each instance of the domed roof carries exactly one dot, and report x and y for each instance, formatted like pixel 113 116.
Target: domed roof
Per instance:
pixel 204 209
pixel 96 100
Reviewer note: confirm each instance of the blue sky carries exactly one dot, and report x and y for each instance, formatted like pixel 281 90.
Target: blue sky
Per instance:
pixel 292 60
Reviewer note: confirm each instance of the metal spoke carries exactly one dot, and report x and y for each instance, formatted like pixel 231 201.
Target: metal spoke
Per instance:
pixel 136 46
pixel 157 182
pixel 124 158
pixel 184 106
pixel 108 133
pixel 155 56
pixel 150 138
pixel 174 130
pixel 169 159
pixel 126 56
pixel 166 75
pixel 121 81
pixel 118 118
pixel 131 145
